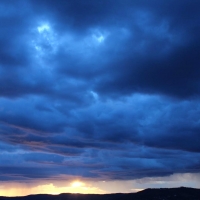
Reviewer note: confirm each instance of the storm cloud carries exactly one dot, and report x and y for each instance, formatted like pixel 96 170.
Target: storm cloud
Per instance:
pixel 99 89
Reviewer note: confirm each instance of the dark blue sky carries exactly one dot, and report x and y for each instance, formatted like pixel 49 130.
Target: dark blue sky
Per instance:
pixel 99 89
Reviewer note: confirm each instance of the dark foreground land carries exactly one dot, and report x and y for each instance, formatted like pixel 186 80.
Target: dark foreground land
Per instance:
pixel 181 193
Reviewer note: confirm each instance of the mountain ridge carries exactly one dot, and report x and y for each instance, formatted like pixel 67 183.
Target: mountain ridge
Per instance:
pixel 181 193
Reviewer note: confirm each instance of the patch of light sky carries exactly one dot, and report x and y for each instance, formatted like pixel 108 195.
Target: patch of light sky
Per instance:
pixel 45 39
pixel 99 38
pixel 44 27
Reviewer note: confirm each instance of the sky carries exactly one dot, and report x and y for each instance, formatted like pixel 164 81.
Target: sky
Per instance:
pixel 99 96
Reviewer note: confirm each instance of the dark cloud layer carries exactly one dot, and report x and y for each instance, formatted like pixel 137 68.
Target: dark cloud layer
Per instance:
pixel 99 89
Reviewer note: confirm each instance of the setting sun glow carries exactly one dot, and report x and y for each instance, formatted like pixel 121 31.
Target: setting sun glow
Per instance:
pixel 77 184
pixel 21 189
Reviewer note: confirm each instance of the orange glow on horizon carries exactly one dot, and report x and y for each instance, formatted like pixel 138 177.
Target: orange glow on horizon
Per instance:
pixel 64 184
pixel 24 190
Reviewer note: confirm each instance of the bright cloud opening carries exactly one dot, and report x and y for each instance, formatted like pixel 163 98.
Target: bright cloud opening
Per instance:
pixel 42 28
pixel 99 38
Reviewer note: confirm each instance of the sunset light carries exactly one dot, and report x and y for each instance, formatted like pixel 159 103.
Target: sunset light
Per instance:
pixel 77 184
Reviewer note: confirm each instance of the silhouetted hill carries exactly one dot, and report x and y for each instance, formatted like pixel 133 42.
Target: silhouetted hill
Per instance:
pixel 181 193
